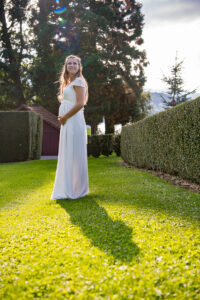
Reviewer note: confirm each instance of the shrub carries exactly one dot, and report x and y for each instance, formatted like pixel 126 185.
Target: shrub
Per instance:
pixel 168 141
pixel 116 144
pixel 20 136
pixel 94 148
pixel 100 144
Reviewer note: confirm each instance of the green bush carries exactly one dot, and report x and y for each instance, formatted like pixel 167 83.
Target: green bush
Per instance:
pixel 94 148
pixel 116 144
pixel 20 136
pixel 100 144
pixel 168 141
pixel 107 144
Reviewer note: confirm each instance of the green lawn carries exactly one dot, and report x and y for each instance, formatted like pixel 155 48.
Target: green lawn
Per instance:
pixel 133 237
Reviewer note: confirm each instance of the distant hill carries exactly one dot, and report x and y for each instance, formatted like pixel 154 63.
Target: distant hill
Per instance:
pixel 157 106
pixel 157 102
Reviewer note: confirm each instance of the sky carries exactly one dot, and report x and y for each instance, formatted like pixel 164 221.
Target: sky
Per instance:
pixel 171 26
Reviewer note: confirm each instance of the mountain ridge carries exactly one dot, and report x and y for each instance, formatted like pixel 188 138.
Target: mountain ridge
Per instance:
pixel 157 101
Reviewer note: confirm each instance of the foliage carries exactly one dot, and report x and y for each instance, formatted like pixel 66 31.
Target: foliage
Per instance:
pixel 103 144
pixel 43 71
pixel 117 143
pixel 133 237
pixel 167 141
pixel 115 33
pixel 14 45
pixel 176 92
pixel 100 144
pixel 105 34
pixel 21 136
pixel 144 104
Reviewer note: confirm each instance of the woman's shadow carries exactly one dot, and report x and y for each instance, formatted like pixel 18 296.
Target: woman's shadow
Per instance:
pixel 113 237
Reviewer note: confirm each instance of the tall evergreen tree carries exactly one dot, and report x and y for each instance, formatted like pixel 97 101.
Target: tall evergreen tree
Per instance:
pixel 176 92
pixel 106 35
pixel 43 70
pixel 14 52
pixel 114 30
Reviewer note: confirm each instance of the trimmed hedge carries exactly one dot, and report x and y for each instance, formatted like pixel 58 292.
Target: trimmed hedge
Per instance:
pixel 20 136
pixel 116 143
pixel 168 141
pixel 104 144
pixel 100 145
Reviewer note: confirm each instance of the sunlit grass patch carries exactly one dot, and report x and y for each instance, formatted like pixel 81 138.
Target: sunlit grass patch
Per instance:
pixel 134 236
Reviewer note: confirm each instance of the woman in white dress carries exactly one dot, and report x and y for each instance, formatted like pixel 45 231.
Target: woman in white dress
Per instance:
pixel 71 180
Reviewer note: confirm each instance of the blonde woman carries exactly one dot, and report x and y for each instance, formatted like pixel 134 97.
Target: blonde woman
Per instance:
pixel 71 180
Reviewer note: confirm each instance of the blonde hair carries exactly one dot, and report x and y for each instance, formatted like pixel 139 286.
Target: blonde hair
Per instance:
pixel 65 79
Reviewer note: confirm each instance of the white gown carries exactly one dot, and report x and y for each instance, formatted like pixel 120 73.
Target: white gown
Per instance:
pixel 71 180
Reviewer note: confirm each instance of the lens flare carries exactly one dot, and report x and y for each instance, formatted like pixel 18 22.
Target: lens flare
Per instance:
pixel 62 21
pixel 57 1
pixel 60 10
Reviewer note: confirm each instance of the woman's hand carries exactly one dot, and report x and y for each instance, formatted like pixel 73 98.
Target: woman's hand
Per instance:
pixel 62 119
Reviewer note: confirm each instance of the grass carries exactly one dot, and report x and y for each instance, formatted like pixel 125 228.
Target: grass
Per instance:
pixel 133 237
pixel 88 131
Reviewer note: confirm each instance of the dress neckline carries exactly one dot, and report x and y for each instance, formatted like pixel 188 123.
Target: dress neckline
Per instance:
pixel 70 83
pixel 67 85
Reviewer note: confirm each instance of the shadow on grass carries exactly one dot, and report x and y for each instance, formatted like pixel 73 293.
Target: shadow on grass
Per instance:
pixel 113 237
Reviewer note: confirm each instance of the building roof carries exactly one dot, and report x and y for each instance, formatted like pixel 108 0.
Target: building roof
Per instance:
pixel 48 117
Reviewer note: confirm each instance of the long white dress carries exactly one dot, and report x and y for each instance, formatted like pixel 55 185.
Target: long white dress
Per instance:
pixel 71 180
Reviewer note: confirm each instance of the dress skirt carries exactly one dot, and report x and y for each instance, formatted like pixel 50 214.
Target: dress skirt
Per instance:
pixel 71 179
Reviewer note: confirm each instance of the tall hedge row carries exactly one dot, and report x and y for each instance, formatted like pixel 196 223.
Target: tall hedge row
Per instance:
pixel 104 144
pixel 20 136
pixel 100 145
pixel 168 141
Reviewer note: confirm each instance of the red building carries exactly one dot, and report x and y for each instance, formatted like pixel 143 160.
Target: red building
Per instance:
pixel 51 128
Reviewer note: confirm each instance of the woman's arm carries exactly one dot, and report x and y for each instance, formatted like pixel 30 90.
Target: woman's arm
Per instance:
pixel 80 97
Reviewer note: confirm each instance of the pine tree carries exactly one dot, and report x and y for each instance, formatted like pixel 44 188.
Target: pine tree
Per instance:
pixel 106 36
pixel 116 35
pixel 176 92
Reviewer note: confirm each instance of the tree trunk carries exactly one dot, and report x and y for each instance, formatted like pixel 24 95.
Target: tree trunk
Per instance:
pixel 109 125
pixel 14 67
pixel 93 128
pixel 19 90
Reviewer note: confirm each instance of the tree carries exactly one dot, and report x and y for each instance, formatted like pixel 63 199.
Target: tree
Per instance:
pixel 116 34
pixel 145 104
pixel 176 91
pixel 106 35
pixel 14 52
pixel 43 71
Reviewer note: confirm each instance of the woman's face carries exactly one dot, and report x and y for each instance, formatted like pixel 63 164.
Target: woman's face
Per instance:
pixel 72 66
